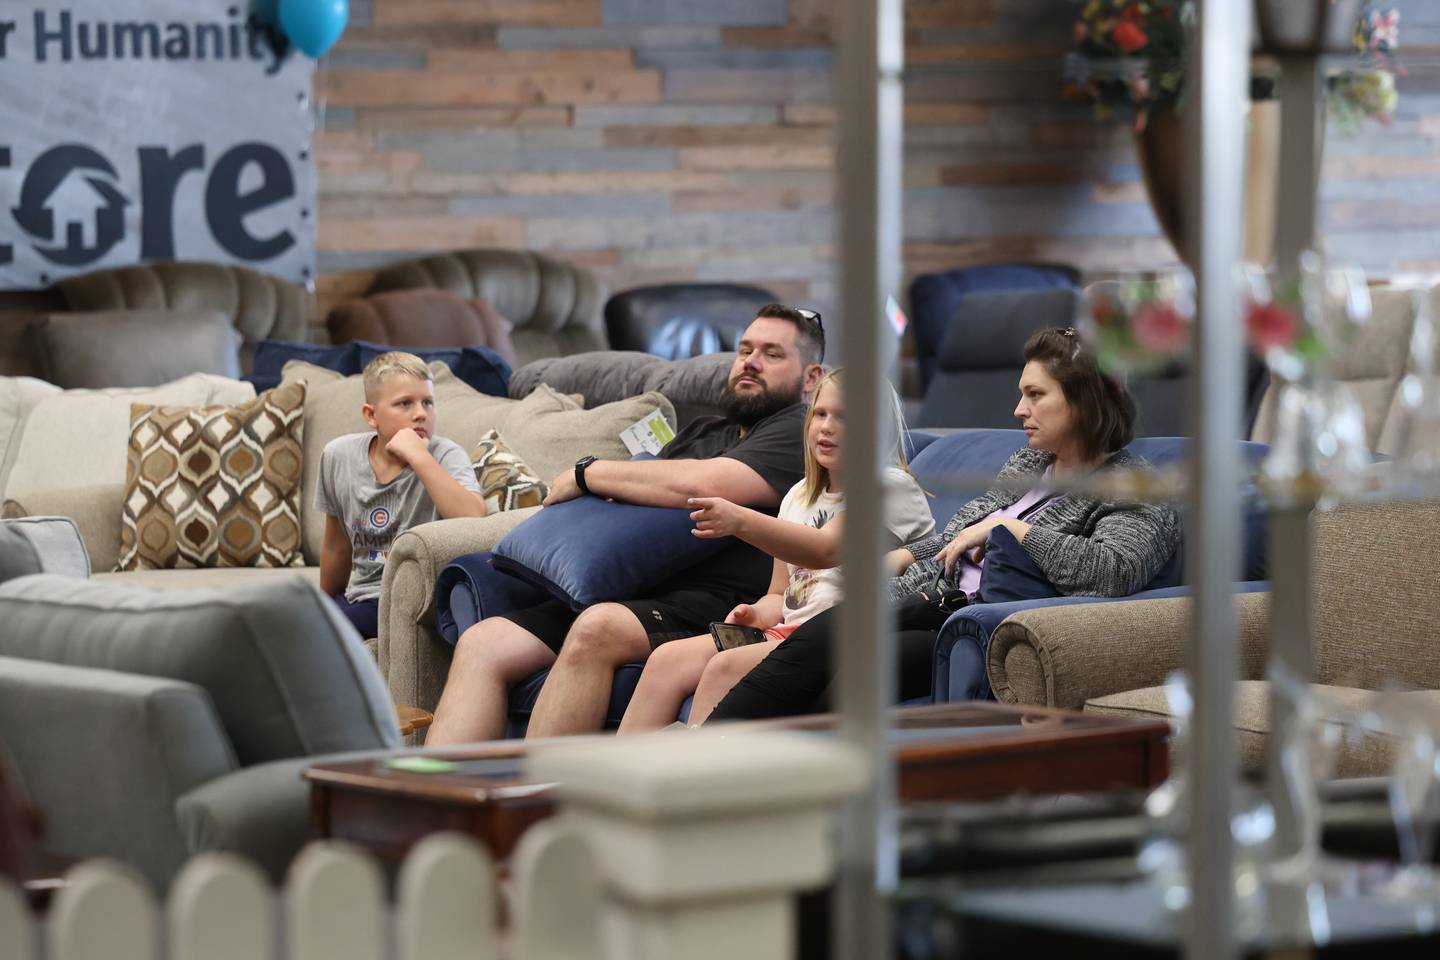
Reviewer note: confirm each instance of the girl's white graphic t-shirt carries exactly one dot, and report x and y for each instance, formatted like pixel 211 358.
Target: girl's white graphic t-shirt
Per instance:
pixel 907 516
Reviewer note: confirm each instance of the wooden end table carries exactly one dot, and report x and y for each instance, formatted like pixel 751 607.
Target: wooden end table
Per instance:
pixel 954 751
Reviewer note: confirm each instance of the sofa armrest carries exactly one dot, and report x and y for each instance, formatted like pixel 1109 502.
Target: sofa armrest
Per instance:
pixel 962 644
pixel 104 755
pixel 1062 656
pixel 95 510
pixel 413 658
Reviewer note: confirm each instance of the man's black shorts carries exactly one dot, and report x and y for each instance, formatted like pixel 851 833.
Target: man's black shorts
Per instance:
pixel 670 616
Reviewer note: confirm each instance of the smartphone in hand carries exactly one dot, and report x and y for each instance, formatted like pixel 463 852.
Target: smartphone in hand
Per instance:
pixel 731 635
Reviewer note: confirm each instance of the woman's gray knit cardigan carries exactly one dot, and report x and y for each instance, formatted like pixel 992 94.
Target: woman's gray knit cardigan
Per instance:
pixel 1103 548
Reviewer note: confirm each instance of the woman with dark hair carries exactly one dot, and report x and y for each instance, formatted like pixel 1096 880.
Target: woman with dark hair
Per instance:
pixel 1077 420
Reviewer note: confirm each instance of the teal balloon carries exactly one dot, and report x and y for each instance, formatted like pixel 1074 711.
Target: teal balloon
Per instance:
pixel 314 25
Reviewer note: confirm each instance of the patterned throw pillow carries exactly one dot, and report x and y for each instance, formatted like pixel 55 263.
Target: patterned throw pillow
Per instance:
pixel 215 486
pixel 505 481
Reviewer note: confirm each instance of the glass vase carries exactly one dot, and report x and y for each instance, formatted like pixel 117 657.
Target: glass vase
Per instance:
pixel 1302 322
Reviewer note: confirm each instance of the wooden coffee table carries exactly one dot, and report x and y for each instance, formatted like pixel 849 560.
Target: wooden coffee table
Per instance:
pixel 956 751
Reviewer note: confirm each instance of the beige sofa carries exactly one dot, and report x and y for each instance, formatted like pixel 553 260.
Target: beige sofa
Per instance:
pixel 1376 608
pixel 79 472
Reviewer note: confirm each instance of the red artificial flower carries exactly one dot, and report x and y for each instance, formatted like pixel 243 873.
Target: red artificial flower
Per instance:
pixel 1270 325
pixel 1129 37
pixel 1160 328
pixel 1103 309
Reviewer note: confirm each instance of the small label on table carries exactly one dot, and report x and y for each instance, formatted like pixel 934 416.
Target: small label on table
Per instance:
pixel 421 765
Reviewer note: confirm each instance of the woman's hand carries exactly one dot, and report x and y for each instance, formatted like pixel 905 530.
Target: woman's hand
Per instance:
pixel 971 542
pixel 716 517
pixel 898 561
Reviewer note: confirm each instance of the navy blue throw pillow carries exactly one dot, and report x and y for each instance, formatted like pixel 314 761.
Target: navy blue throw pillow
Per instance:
pixel 1009 573
pixel 272 355
pixel 480 367
pixel 590 550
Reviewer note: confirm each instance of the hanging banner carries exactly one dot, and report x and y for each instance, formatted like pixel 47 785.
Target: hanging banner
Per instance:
pixel 134 131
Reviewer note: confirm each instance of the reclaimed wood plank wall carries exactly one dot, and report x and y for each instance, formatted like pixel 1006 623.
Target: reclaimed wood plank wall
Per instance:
pixel 673 140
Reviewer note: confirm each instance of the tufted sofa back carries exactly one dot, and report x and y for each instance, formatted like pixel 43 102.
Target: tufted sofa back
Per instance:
pixel 259 305
pixel 554 307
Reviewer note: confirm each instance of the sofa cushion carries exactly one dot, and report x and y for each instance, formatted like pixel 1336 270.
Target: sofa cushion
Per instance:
pixel 17 396
pixel 481 368
pixel 78 438
pixel 207 578
pixel 1372 755
pixel 18 556
pixel 54 542
pixel 695 386
pixel 134 348
pixel 505 481
pixel 550 433
pixel 215 486
pixel 95 511
pixel 599 376
pixel 288 675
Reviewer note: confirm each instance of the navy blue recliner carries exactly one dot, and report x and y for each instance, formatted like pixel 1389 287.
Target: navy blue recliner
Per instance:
pixel 935 299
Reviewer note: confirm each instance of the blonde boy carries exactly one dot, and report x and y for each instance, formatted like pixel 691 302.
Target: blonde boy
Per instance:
pixel 374 486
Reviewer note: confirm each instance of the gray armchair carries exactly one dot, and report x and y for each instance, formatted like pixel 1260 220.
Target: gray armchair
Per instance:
pixel 149 726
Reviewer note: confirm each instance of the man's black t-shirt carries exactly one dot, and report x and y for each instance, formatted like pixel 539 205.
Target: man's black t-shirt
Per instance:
pixel 775 449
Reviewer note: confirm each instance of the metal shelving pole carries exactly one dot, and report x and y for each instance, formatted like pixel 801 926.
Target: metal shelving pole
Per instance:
pixel 1291 580
pixel 1215 130
pixel 868 153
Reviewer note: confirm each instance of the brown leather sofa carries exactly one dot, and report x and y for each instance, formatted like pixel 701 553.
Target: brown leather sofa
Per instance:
pixel 258 305
pixel 554 307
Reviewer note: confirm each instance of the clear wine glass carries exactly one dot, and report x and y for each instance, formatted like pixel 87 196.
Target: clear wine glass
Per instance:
pixel 1139 322
pixel 1302 322
pixel 1412 722
pixel 1416 446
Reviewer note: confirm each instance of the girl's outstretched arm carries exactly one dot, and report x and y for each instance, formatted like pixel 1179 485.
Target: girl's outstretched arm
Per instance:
pixel 796 543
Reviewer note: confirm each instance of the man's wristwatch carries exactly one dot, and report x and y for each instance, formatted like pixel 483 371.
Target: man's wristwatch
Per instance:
pixel 580 466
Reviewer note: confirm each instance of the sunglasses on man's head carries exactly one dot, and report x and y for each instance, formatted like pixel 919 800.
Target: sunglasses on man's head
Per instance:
pixel 810 315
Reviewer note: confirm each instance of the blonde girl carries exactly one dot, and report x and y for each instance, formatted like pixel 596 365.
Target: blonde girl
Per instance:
pixel 804 539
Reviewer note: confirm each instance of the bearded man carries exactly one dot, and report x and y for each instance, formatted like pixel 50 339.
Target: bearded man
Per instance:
pixel 751 456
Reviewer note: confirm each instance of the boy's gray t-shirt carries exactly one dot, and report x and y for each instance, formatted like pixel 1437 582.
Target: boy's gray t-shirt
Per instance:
pixel 374 514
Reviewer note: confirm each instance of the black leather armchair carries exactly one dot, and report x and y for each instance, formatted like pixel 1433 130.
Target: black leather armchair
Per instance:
pixel 679 320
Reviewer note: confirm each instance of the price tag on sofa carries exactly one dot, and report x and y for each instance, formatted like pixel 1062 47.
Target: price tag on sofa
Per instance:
pixel 648 435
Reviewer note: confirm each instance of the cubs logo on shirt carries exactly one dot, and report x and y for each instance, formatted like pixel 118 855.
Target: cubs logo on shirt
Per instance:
pixel 379 518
